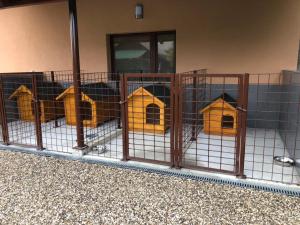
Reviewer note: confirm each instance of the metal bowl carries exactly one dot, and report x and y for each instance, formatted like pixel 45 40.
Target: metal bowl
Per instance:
pixel 283 161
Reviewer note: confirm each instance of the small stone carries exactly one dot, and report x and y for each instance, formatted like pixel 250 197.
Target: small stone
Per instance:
pixel 40 190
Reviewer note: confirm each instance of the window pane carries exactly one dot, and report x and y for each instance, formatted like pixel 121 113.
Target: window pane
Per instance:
pixel 166 53
pixel 132 54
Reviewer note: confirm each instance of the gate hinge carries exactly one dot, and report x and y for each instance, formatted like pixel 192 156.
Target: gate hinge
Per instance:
pixel 122 102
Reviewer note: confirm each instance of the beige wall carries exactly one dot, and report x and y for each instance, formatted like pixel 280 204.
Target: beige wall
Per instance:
pixel 222 36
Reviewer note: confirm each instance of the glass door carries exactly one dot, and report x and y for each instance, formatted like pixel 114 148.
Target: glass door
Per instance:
pixel 166 53
pixel 131 54
pixel 143 53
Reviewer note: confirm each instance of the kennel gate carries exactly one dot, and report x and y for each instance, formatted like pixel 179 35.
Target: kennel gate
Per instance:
pixel 204 141
pixel 161 119
pixel 170 131
pixel 148 115
pixel 26 132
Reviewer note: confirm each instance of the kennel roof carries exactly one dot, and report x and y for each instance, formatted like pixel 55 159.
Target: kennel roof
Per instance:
pixel 95 91
pixel 160 91
pixel 226 97
pixel 45 90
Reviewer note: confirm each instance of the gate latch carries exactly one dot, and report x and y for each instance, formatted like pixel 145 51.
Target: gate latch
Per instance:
pixel 241 109
pixel 122 102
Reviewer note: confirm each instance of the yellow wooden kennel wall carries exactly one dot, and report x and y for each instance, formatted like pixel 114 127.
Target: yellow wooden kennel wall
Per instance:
pixel 220 116
pixel 49 110
pixel 99 104
pixel 149 109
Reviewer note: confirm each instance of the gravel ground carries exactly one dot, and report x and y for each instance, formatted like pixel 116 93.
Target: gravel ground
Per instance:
pixel 40 190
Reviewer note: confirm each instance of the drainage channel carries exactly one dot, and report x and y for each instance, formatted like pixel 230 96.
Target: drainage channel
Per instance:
pixel 289 190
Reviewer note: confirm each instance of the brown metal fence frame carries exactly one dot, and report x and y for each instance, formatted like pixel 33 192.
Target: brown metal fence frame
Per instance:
pixel 4 126
pixel 38 133
pixel 264 130
pixel 31 80
pixel 176 126
pixel 37 115
pixel 243 125
pixel 243 82
pixel 124 102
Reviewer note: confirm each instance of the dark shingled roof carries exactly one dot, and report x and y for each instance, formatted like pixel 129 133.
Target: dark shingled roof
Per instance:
pixel 227 98
pixel 48 90
pixel 160 91
pixel 97 91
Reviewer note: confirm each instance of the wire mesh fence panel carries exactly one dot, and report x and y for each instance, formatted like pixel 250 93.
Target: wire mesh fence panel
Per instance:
pixel 18 91
pixel 149 117
pixel 57 134
pixel 101 115
pixel 272 140
pixel 191 120
pixel 209 121
pixel 1 134
pixel 2 112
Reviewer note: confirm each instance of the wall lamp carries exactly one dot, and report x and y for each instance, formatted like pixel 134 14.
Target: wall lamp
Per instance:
pixel 139 11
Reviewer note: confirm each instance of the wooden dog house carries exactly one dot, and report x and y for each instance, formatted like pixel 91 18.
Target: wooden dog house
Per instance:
pixel 99 104
pixel 47 92
pixel 220 116
pixel 149 109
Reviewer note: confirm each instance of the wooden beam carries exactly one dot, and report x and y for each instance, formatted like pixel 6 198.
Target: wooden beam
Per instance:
pixel 19 3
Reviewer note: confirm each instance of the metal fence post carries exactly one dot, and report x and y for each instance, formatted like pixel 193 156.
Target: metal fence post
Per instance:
pixel 124 116
pixel 55 104
pixel 239 125
pixel 119 90
pixel 194 110
pixel 178 121
pixel 4 125
pixel 172 123
pixel 243 126
pixel 37 115
pixel 76 73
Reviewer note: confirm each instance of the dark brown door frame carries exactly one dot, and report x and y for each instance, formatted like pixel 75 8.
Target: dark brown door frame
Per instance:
pixel 153 48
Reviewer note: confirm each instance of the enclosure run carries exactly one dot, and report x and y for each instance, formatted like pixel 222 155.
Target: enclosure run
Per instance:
pixel 223 123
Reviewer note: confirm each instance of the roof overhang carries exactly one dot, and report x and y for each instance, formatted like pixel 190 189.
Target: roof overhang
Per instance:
pixel 142 92
pixel 21 89
pixel 18 3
